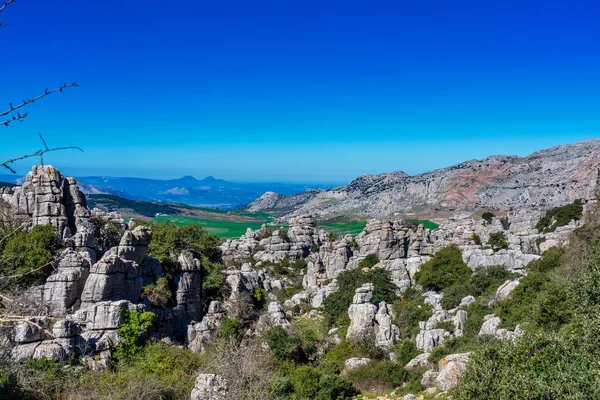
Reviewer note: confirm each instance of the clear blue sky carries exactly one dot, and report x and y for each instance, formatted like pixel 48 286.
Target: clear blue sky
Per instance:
pixel 313 91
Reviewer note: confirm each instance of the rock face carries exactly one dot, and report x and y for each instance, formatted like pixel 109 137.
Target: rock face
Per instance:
pixel 497 182
pixel 209 387
pixel 451 369
pixel 200 333
pixel 371 322
pixel 48 198
pixel 118 274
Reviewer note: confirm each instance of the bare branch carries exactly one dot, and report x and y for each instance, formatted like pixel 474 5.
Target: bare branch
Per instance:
pixel 19 116
pixel 6 3
pixel 51 262
pixel 39 153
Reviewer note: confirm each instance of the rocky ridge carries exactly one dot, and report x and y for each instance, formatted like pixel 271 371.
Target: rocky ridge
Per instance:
pixel 547 178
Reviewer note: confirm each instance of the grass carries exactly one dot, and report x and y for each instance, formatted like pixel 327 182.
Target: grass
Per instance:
pixel 426 223
pixel 344 228
pixel 222 227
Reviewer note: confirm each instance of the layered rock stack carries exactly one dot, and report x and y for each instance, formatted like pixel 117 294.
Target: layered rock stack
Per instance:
pixel 370 322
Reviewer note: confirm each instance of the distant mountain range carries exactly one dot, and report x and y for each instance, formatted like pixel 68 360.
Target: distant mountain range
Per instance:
pixel 207 192
pixel 547 178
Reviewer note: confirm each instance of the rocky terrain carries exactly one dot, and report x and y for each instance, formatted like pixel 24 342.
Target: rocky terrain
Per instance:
pixel 547 178
pixel 84 299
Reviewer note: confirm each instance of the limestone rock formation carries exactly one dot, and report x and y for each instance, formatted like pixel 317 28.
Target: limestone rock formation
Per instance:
pixel 371 322
pixel 451 369
pixel 210 387
pixel 206 330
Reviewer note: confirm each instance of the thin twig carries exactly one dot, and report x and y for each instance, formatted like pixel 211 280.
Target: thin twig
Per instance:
pixel 28 272
pixel 39 153
pixel 24 224
pixel 20 117
pixel 6 3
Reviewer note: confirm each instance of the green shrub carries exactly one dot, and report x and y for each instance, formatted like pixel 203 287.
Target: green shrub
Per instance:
pixel 445 269
pixel 488 217
pixel 106 233
pixel 537 366
pixel 336 305
pixel 26 251
pixel 446 325
pixel 134 325
pixel 346 349
pixel 560 216
pixel 170 239
pixel 311 383
pixel 410 309
pixel 286 347
pixel 230 328
pixel 550 261
pixel 260 297
pixel 475 239
pixel 476 312
pixel 498 240
pixel 332 236
pixel 158 294
pixel 405 351
pixel 314 248
pixel 369 261
pixel 484 281
pixel 378 376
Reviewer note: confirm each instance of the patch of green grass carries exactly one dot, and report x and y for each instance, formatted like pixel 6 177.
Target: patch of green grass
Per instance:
pixel 223 228
pixel 343 228
pixel 426 223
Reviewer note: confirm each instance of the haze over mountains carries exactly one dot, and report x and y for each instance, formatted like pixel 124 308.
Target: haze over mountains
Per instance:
pixel 207 192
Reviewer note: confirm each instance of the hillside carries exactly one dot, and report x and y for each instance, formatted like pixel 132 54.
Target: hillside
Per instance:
pixel 546 178
pixel 207 192
pixel 477 307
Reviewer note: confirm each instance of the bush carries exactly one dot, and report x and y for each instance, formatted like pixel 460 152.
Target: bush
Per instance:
pixel 377 376
pixel 336 305
pixel 445 269
pixel 560 216
pixel 537 366
pixel 159 295
pixel 106 233
pixel 170 239
pixel 369 261
pixel 405 351
pixel 346 349
pixel 484 281
pixel 488 217
pixel 260 297
pixel 287 347
pixel 27 251
pixel 311 383
pixel 498 241
pixel 230 328
pixel 134 325
pixel 476 239
pixel 410 309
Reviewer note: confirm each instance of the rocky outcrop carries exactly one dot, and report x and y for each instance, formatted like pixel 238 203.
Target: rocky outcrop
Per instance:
pixel 202 332
pixel 451 369
pixel 369 322
pixel 355 362
pixel 547 178
pixel 48 198
pixel 210 387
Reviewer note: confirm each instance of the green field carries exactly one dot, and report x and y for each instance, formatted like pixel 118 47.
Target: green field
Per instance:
pixel 426 223
pixel 343 228
pixel 223 228
pixel 234 224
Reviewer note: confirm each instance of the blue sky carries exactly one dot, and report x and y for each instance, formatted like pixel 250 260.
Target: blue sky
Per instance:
pixel 311 91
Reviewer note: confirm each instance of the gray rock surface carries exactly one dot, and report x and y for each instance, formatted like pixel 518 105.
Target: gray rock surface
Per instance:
pixel 210 387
